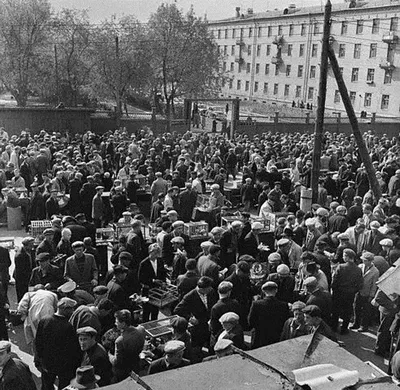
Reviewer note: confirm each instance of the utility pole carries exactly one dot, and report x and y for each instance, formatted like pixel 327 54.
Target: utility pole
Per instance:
pixel 319 124
pixel 56 69
pixel 118 87
pixel 373 181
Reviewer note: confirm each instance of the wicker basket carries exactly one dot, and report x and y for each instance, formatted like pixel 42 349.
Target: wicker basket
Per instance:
pixel 163 296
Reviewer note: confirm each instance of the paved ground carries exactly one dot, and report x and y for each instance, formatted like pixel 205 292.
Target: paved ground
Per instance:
pixel 360 344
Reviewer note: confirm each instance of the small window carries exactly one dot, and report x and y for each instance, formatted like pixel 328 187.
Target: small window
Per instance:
pixel 239 84
pixel 276 70
pixel 276 87
pixel 256 86
pixel 225 50
pixel 359 27
pixel 233 48
pixel 367 99
pixel 257 68
pixel 372 50
pixel 249 50
pixel 354 74
pixel 310 93
pixel 250 32
pixel 267 69
pixel 314 50
pixel 342 50
pixel 259 32
pixel 343 30
pixel 316 29
pixel 268 50
pixel 370 75
pixel 230 84
pixel 226 34
pixel 301 50
pixel 375 26
pixel 219 34
pixel 287 88
pixel 224 66
pixel 298 91
pixel 385 102
pixel 288 70
pixel 232 66
pixel 233 33
pixel 357 50
pixel 312 71
pixel 279 30
pixel 303 29
pixel 289 50
pixel 247 86
pixel 393 25
pixel 388 77
pixel 248 67
pixel 291 30
pixel 300 71
pixel 353 97
pixel 258 50
pixel 336 98
pixel 269 31
pixel 265 90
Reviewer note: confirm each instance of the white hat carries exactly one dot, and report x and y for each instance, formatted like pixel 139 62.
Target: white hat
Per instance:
pixel 256 226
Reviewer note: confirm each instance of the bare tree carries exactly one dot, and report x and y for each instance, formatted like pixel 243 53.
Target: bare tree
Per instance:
pixel 24 26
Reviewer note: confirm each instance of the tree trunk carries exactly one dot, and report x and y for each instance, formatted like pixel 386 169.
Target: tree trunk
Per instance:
pixel 118 111
pixel 168 114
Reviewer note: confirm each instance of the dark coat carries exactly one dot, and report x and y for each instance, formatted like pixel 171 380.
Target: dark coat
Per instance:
pixel 267 317
pixel 187 202
pixel 250 246
pixel 285 287
pixel 168 250
pixel 54 277
pixel 16 375
pixel 98 211
pixel 118 295
pixel 323 300
pixel 57 347
pixel 22 273
pixel 37 210
pixel 52 207
pixel 223 306
pixel 147 275
pixel 187 282
pixel 98 358
pixel 228 251
pixel 160 365
pixel 338 223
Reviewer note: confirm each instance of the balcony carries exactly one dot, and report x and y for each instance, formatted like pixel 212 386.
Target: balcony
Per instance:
pixel 391 37
pixel 276 60
pixel 386 64
pixel 239 60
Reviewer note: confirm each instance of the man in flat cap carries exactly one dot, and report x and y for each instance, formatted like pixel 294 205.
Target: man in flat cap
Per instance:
pixel 187 202
pixel 24 264
pixel 116 291
pixel 252 241
pixel 47 245
pixel 267 317
pixel 82 268
pixel 313 318
pixel 231 329
pixel 57 349
pixel 98 207
pixel 94 354
pixel 230 244
pixel 167 249
pixel 173 358
pixel 295 326
pixel 45 273
pixel 15 374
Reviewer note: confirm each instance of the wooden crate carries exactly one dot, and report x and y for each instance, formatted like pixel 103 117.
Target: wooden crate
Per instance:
pixel 38 227
pixel 164 295
pixel 196 229
pixel 105 236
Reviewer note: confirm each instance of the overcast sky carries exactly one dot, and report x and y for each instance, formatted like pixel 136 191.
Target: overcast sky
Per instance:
pixel 215 9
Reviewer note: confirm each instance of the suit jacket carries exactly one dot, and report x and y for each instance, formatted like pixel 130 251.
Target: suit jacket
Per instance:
pixel 52 207
pixel 37 211
pixel 98 358
pixel 16 375
pixel 53 276
pixel 323 300
pixel 208 267
pixel 97 207
pixel 167 249
pixel 223 306
pixel 147 274
pixel 187 282
pixel 23 267
pixel 372 241
pixel 187 202
pixel 89 273
pixel 228 249
pixel 370 278
pixel 118 295
pixel 267 317
pixel 250 246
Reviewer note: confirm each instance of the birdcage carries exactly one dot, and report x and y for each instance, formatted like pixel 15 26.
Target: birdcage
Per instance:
pixel 164 295
pixel 196 229
pixel 38 227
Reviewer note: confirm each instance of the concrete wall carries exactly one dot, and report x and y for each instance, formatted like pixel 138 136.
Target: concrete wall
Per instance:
pixel 16 119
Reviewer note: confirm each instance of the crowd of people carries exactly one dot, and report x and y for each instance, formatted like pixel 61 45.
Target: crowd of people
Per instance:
pixel 321 265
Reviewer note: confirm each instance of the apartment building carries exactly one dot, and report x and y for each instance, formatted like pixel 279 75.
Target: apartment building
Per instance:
pixel 274 56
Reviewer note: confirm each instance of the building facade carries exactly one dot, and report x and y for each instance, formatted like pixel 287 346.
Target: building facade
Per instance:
pixel 274 56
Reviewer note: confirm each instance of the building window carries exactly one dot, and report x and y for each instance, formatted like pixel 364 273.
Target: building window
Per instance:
pixel 357 50
pixel 233 33
pixel 226 34
pixel 224 66
pixel 257 68
pixel 336 98
pixel 248 66
pixel 286 92
pixel 291 30
pixel 342 50
pixel 256 86
pixel 301 50
pixel 276 70
pixel 265 90
pixel 279 30
pixel 372 50
pixel 239 67
pixel 370 75
pixel 298 91
pixel 310 93
pixel 268 50
pixel 241 33
pixel 258 50
pixel 225 50
pixel 375 26
pixel 393 26
pixel 352 97
pixel 232 66
pixel 230 84
pixel 250 32
pixel 259 32
pixel 314 50
pixel 303 29
pixel 219 34
pixel 267 69
pixel 354 74
pixel 239 84
pixel 233 50
pixel 388 77
pixel 288 70
pixel 343 30
pixel 269 31
pixel 247 86
pixel 359 27
pixel 300 71
pixel 316 29
pixel 385 102
pixel 367 99
pixel 276 86
pixel 289 50
pixel 249 50
pixel 312 71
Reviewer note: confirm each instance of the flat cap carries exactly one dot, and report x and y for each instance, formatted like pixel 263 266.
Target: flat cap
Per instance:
pixel 77 244
pixel 310 222
pixel 283 241
pixel 67 287
pixel 44 256
pixel 215 187
pixel 27 240
pixel 367 256
pixel 274 257
pixel 230 316
pixel 99 187
pixel 87 330
pixel 322 212
pixel 125 256
pixel 374 225
pixel 179 323
pixel 269 286
pixel 257 226
pixel 298 305
pixel 343 236
pixel 174 346
pixel 126 213
pixel 172 212
pixel 206 244
pixel 225 287
pixel 283 269
pixel 178 240
pixel 386 242
pixel 222 345
pixel 312 310
pixel 100 290
pixel 236 223
pixel 66 302
pixel 120 269
pixel 177 224
pixel 48 232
